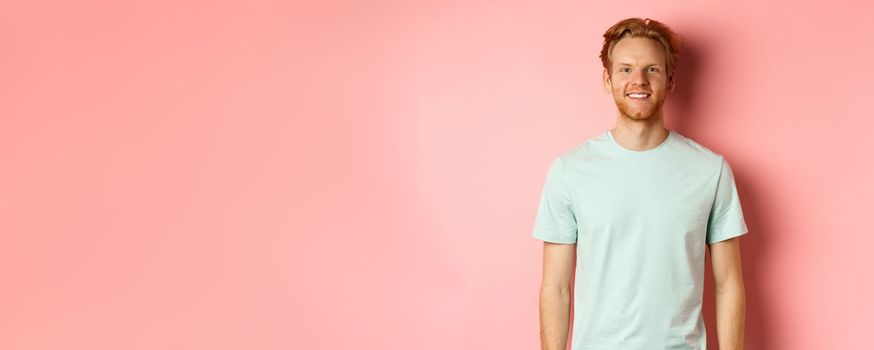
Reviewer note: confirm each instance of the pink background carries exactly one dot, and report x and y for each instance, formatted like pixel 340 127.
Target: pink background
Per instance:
pixel 364 175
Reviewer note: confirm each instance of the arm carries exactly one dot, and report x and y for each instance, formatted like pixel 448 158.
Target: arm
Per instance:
pixel 730 296
pixel 555 294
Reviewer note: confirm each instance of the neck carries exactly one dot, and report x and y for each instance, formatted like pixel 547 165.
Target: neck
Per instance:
pixel 639 135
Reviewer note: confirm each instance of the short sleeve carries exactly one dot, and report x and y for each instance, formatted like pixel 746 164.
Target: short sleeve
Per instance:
pixel 555 221
pixel 726 216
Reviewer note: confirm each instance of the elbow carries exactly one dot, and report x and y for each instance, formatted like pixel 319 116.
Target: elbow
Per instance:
pixel 734 285
pixel 560 292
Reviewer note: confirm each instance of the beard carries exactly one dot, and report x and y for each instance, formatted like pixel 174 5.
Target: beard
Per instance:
pixel 639 111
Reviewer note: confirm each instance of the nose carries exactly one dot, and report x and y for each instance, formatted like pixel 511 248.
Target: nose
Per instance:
pixel 639 78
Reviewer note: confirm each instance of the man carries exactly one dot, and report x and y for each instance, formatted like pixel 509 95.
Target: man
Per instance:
pixel 635 207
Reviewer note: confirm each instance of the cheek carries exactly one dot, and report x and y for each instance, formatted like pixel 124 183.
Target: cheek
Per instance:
pixel 617 85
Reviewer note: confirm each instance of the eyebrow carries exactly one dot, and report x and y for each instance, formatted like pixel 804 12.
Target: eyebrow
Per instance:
pixel 628 64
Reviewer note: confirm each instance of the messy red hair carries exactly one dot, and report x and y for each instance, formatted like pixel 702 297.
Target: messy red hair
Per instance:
pixel 643 28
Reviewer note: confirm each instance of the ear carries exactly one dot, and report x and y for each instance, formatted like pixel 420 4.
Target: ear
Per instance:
pixel 672 82
pixel 608 85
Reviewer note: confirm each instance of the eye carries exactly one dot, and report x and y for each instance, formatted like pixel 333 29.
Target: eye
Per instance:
pixel 624 69
pixel 653 69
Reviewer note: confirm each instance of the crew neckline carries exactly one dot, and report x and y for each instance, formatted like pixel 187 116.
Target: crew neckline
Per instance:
pixel 629 151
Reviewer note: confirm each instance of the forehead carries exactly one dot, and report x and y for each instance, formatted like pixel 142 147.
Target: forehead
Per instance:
pixel 638 51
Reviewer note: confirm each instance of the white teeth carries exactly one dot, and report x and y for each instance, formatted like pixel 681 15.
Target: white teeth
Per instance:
pixel 638 95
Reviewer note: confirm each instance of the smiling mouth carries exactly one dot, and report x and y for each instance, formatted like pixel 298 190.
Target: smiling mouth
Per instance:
pixel 638 96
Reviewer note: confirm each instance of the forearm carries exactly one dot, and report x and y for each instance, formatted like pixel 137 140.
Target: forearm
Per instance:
pixel 730 314
pixel 555 304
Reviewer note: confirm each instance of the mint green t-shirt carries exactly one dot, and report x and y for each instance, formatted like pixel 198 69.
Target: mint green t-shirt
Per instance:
pixel 640 221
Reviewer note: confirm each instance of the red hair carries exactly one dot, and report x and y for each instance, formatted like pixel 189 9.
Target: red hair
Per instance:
pixel 643 28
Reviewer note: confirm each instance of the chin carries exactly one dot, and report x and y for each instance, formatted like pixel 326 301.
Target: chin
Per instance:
pixel 648 117
pixel 637 115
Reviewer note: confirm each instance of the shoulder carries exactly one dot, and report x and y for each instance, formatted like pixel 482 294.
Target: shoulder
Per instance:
pixel 696 151
pixel 590 148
